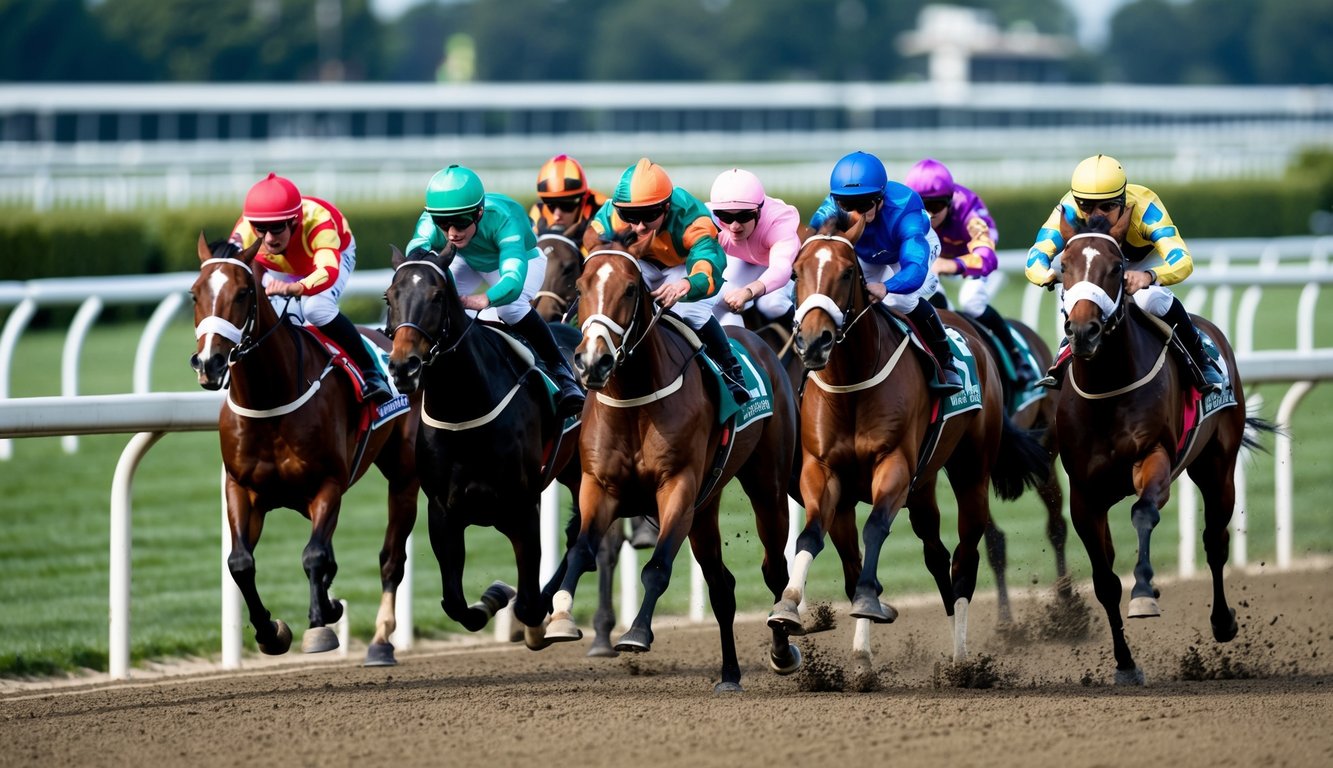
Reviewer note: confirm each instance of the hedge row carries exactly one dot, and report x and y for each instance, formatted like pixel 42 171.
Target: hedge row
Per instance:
pixel 67 244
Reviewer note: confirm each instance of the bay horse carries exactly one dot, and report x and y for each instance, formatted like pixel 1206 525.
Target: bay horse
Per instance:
pixel 1122 426
pixel 489 440
pixel 866 415
pixel 294 434
pixel 652 441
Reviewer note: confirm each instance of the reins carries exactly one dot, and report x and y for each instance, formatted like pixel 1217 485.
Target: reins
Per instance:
pixel 434 351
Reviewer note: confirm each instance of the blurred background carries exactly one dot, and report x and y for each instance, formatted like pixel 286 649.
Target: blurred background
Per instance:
pixel 161 113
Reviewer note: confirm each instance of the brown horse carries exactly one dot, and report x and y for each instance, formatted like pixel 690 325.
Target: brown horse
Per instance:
pixel 556 301
pixel 489 440
pixel 865 418
pixel 1121 424
pixel 294 435
pixel 652 440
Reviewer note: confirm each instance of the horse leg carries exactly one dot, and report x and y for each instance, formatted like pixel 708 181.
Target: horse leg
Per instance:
pixel 1214 474
pixel 923 512
pixel 1052 495
pixel 273 636
pixel 889 488
pixel 762 487
pixel 393 558
pixel 1091 526
pixel 706 542
pixel 446 541
pixel 1152 477
pixel 997 555
pixel 597 508
pixel 320 568
pixel 972 493
pixel 821 490
pixel 525 538
pixel 604 619
pixel 675 502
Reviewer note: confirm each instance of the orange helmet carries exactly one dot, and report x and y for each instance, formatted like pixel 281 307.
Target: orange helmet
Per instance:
pixel 643 183
pixel 561 176
pixel 273 199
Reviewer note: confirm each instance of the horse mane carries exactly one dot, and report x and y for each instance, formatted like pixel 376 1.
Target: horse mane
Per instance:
pixel 1095 225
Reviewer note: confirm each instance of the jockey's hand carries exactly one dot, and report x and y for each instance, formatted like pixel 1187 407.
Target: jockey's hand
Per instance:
pixel 945 266
pixel 476 302
pixel 1041 276
pixel 876 290
pixel 670 293
pixel 279 288
pixel 737 299
pixel 1136 281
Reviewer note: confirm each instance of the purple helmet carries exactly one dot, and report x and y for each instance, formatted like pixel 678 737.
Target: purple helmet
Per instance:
pixel 929 178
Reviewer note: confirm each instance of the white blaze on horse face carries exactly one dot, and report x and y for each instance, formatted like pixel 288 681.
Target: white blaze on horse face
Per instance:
pixel 598 332
pixel 213 323
pixel 817 299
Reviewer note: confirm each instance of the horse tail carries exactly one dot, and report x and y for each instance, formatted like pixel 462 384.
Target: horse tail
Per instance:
pixel 1253 427
pixel 1022 461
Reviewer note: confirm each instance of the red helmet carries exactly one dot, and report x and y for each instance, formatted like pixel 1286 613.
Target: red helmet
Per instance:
pixel 273 199
pixel 561 176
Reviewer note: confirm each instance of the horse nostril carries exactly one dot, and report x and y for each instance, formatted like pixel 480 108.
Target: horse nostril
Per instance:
pixel 194 363
pixel 579 364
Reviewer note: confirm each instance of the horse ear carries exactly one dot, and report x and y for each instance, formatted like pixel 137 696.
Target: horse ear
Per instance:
pixel 1122 226
pixel 204 253
pixel 396 257
pixel 447 256
pixel 858 226
pixel 248 255
pixel 1066 229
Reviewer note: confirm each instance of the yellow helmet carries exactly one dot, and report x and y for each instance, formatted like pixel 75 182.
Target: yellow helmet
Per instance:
pixel 1099 177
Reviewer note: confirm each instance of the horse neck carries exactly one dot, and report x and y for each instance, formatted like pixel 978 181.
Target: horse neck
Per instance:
pixel 1126 355
pixel 466 370
pixel 659 357
pixel 281 364
pixel 869 341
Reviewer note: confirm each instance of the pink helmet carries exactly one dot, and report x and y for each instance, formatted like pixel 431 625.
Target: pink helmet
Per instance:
pixel 735 190
pixel 929 178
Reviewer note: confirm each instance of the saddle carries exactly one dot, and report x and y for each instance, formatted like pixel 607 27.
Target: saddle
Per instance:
pixel 373 417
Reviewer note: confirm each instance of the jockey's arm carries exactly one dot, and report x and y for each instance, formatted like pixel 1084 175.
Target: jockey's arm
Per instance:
pixel 705 262
pixel 1165 238
pixel 425 236
pixel 913 255
pixel 781 253
pixel 1048 244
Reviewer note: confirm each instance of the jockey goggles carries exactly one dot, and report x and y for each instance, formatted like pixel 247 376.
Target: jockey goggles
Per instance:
pixel 936 204
pixel 1100 206
pixel 566 204
pixel 460 221
pixel 641 215
pixel 262 228
pixel 857 203
pixel 737 217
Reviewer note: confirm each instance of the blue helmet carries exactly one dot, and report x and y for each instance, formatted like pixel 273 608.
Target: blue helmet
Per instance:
pixel 859 173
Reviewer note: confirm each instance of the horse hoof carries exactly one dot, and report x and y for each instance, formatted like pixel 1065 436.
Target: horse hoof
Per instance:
pixel 1129 676
pixel 1226 632
pixel 282 640
pixel 1144 608
pixel 563 630
pixel 874 609
pixel 535 638
pixel 635 641
pixel 787 618
pixel 319 640
pixel 788 665
pixel 380 655
pixel 726 687
pixel 601 649
pixel 497 596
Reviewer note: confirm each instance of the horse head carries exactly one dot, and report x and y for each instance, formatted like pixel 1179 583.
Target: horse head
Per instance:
pixel 1093 264
pixel 564 264
pixel 614 310
pixel 830 289
pixel 227 296
pixel 423 309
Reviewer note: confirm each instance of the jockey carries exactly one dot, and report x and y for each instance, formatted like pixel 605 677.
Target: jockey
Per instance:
pixel 682 261
pixel 308 252
pixel 1155 251
pixel 495 248
pixel 564 198
pixel 758 234
pixel 896 250
pixel 968 239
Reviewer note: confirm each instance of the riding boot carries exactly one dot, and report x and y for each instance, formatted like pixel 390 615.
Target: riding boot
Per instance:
pixel 991 320
pixel 928 324
pixel 1056 373
pixel 715 340
pixel 345 335
pixel 569 401
pixel 1207 375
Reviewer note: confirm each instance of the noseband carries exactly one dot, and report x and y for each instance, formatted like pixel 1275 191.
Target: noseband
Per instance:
pixel 600 325
pixel 241 338
pixel 435 341
pixel 1112 310
pixel 825 302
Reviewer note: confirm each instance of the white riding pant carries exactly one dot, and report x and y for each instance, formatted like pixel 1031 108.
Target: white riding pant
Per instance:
pixel 469 281
pixel 740 273
pixel 975 293
pixel 317 309
pixel 906 302
pixel 694 313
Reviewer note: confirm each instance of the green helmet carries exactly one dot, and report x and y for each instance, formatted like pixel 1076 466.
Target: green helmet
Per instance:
pixel 454 189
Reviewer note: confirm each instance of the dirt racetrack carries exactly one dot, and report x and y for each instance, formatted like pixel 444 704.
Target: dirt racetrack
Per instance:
pixel 1264 699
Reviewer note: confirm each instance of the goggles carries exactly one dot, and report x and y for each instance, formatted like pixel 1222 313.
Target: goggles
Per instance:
pixel 1100 206
pixel 262 228
pixel 858 203
pixel 737 217
pixel 566 204
pixel 459 221
pixel 641 215
pixel 936 204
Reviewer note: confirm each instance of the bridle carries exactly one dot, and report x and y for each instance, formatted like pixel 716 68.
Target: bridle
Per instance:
pixel 566 307
pixel 603 326
pixel 827 303
pixel 1112 310
pixel 242 338
pixel 433 339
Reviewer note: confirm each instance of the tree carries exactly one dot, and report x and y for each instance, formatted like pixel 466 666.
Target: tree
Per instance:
pixel 58 40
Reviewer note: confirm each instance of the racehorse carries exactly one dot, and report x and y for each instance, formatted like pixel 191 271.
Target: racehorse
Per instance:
pixel 489 440
pixel 294 435
pixel 1124 428
pixel 652 440
pixel 866 420
pixel 556 301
